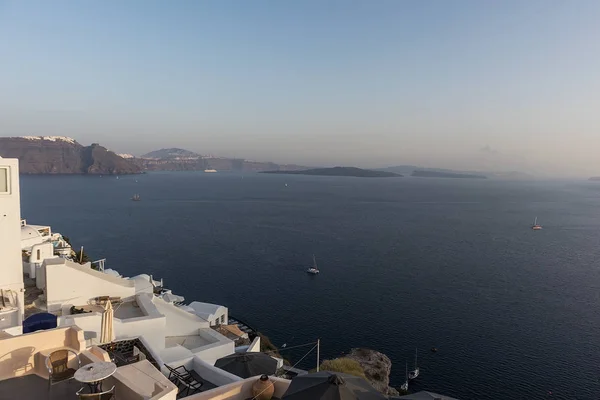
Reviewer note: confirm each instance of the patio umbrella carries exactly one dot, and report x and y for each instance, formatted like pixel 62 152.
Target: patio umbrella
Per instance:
pixel 106 330
pixel 327 385
pixel 246 365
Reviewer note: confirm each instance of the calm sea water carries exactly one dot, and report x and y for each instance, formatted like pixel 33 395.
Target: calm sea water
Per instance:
pixel 405 263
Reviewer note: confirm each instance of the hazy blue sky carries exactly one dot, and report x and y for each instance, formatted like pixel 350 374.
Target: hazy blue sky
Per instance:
pixel 462 84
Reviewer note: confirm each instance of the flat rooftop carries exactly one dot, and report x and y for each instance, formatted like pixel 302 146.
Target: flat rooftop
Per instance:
pixel 189 342
pixel 128 309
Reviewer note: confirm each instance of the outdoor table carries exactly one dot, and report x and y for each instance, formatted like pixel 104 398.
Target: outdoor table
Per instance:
pixel 93 374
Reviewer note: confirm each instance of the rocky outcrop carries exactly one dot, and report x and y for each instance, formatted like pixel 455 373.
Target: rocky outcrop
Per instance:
pixel 63 155
pixel 377 367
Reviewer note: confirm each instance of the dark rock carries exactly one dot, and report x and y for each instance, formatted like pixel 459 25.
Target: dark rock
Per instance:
pixel 377 367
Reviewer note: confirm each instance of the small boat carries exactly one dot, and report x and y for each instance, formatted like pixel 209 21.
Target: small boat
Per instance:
pixel 136 197
pixel 314 269
pixel 536 226
pixel 415 372
pixel 210 170
pixel 405 384
pixel 434 349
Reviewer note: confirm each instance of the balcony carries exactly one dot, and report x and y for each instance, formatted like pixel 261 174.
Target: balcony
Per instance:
pixel 23 372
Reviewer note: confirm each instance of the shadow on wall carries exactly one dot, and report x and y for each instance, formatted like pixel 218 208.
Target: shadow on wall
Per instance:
pixel 17 360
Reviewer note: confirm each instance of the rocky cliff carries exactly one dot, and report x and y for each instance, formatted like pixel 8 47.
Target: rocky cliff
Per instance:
pixel 377 367
pixel 176 159
pixel 63 155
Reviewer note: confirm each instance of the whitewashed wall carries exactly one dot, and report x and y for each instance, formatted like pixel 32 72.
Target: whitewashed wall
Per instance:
pixel 11 266
pixel 68 283
pixel 179 322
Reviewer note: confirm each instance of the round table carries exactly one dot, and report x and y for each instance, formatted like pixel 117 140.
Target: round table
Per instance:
pixel 93 374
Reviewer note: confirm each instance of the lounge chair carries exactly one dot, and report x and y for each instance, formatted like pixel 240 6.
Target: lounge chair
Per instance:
pixel 181 376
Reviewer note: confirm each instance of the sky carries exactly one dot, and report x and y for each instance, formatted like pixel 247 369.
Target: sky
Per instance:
pixel 472 85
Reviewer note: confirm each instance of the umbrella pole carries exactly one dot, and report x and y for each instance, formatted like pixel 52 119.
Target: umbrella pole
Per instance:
pixel 318 351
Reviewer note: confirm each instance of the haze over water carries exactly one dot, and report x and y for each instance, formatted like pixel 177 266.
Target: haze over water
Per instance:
pixel 404 263
pixel 511 85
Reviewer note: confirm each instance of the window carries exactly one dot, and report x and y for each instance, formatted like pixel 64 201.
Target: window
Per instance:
pixel 4 180
pixel 217 321
pixel 39 254
pixel 222 319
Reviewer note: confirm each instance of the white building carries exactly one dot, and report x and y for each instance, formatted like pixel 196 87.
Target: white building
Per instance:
pixel 11 269
pixel 213 313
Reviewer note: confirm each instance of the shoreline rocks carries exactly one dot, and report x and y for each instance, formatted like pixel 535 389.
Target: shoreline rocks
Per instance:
pixel 377 367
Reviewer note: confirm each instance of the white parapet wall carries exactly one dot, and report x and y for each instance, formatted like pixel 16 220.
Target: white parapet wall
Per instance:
pixel 71 284
pixel 213 374
pixel 11 263
pixel 179 322
pixel 151 326
pixel 254 347
pixel 219 347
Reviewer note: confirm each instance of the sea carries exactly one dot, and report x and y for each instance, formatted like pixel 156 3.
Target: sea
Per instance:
pixel 406 263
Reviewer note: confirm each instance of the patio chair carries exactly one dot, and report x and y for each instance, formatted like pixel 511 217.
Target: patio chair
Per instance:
pixel 108 395
pixel 175 373
pixel 189 384
pixel 58 369
pixel 181 376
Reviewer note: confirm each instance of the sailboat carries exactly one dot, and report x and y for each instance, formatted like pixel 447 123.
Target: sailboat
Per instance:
pixel 414 373
pixel 536 226
pixel 314 269
pixel 405 384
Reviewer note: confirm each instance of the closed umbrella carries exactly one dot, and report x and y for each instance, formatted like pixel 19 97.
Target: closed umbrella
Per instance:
pixel 327 385
pixel 107 332
pixel 246 365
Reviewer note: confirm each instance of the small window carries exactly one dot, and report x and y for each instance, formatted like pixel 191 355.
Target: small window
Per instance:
pixel 4 177
pixel 222 319
pixel 217 321
pixel 39 254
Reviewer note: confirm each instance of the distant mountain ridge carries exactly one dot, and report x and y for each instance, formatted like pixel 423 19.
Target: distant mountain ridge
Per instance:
pixel 339 171
pixel 437 174
pixel 176 159
pixel 63 155
pixel 409 169
pixel 171 154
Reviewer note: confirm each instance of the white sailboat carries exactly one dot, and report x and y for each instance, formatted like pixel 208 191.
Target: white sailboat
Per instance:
pixel 405 384
pixel 414 373
pixel 314 269
pixel 536 226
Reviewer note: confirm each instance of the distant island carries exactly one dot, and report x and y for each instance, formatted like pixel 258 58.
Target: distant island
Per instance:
pixel 595 178
pixel 339 171
pixel 436 174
